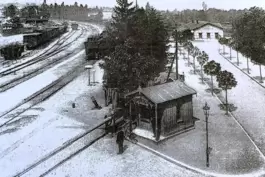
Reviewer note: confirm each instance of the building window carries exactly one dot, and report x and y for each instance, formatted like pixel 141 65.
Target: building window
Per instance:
pixel 216 35
pixel 208 35
pixel 200 35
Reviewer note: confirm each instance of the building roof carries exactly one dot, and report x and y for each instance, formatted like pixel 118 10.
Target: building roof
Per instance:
pixel 165 92
pixel 200 24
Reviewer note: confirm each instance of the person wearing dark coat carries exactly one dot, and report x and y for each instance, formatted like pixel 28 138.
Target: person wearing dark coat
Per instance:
pixel 120 140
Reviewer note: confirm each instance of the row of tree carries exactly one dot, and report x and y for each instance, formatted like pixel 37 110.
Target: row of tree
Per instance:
pixel 248 37
pixel 138 47
pixel 224 78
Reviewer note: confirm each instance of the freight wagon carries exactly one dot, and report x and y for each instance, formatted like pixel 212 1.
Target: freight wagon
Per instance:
pixel 40 37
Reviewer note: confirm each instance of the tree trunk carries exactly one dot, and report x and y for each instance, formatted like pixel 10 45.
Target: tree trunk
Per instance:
pixel 194 65
pixel 237 58
pixel 230 53
pixel 248 65
pixel 202 74
pixel 212 84
pixel 223 49
pixel 188 58
pixel 261 80
pixel 226 102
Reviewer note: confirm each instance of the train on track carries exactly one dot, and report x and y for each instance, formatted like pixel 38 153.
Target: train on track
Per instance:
pixel 40 37
pixel 96 47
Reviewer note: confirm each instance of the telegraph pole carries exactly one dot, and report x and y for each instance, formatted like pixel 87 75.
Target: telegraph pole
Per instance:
pixel 176 55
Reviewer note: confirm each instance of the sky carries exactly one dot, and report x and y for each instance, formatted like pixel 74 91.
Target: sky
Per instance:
pixel 162 4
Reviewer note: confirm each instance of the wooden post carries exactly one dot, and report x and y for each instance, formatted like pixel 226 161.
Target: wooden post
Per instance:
pixel 156 121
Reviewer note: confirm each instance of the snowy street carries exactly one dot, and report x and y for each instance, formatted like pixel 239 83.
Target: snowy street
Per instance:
pixel 248 97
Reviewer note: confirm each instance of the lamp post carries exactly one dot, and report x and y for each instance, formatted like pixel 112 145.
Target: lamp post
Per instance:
pixel 206 109
pixel 88 67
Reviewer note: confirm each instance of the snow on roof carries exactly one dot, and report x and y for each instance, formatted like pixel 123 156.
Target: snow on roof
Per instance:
pixel 166 92
pixel 7 40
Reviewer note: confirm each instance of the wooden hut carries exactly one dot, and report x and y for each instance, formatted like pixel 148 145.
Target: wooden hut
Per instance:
pixel 163 109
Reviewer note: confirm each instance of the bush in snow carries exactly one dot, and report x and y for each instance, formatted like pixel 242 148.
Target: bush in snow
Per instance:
pixel 212 68
pixel 226 81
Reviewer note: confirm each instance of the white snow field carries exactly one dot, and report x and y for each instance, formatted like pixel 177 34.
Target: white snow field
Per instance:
pixel 247 96
pixel 101 159
pixel 48 125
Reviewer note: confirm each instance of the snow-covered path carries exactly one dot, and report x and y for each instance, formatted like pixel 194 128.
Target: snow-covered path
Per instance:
pixel 248 97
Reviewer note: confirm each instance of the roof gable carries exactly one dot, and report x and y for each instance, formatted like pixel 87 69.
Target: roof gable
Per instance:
pixel 200 24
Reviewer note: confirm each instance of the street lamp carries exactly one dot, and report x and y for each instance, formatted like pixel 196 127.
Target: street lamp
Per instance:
pixel 88 67
pixel 192 34
pixel 206 109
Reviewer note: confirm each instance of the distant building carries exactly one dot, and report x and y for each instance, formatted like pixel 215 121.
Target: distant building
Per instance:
pixel 204 30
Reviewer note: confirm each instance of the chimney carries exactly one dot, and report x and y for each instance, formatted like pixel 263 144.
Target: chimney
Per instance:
pixel 197 21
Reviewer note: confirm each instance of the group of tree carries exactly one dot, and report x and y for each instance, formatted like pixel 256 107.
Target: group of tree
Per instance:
pixel 137 53
pixel 248 37
pixel 205 14
pixel 224 78
pixel 29 11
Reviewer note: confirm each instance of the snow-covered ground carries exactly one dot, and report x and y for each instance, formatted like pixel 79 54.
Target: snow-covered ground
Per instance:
pixel 101 160
pixel 48 125
pixel 254 68
pixel 35 84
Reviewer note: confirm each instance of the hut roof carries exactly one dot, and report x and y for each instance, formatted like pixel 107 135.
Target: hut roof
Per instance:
pixel 165 92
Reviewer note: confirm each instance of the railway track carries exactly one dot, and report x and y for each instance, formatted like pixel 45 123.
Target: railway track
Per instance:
pixel 40 96
pixel 12 83
pixel 37 59
pixel 63 153
pixel 33 52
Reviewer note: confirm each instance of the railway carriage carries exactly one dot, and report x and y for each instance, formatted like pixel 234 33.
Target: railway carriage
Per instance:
pixel 74 26
pixel 40 37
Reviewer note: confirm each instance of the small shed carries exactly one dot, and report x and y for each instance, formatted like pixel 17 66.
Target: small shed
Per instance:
pixel 163 109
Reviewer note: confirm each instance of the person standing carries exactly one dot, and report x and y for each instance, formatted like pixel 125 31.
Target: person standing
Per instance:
pixel 120 140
